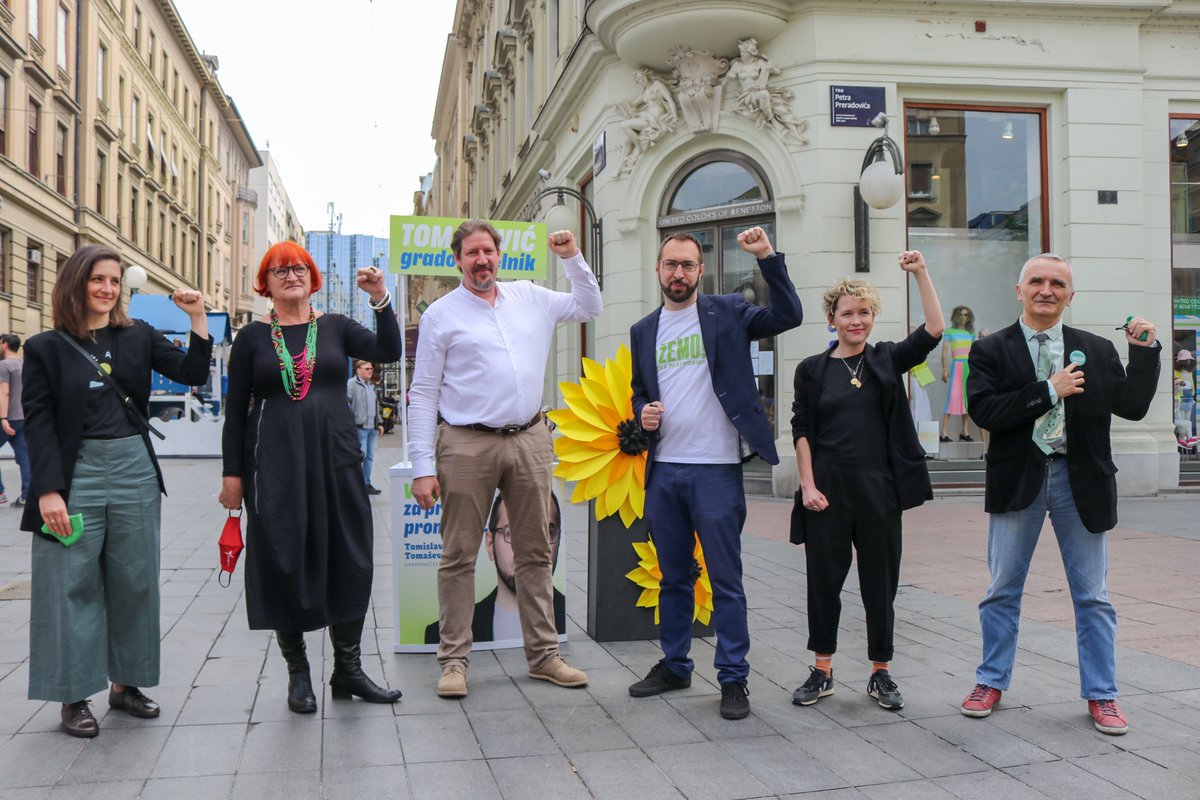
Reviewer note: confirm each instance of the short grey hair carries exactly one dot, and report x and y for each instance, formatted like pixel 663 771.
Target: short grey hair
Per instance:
pixel 1048 257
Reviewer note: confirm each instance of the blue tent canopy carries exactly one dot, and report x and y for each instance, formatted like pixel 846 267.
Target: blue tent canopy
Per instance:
pixel 161 312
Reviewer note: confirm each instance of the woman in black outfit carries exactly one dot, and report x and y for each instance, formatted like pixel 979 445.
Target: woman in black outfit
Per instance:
pixel 860 465
pixel 291 454
pixel 94 614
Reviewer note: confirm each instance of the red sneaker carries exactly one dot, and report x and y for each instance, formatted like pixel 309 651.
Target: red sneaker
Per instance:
pixel 1108 717
pixel 980 701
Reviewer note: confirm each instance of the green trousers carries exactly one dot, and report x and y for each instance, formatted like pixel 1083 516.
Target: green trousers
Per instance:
pixel 95 605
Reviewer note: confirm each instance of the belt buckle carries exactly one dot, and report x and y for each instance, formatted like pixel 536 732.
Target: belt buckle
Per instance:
pixel 509 430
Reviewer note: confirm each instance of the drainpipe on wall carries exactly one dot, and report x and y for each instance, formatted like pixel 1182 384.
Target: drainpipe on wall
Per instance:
pixel 79 11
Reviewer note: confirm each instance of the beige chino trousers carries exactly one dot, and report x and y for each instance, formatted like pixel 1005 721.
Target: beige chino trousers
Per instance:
pixel 471 465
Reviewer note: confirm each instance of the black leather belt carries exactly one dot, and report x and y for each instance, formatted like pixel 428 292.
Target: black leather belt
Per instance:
pixel 507 430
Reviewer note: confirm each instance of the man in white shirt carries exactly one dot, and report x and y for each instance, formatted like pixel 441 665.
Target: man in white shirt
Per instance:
pixel 481 362
pixel 694 391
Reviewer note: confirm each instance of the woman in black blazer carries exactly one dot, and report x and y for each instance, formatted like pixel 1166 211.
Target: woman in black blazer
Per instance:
pixel 95 603
pixel 860 465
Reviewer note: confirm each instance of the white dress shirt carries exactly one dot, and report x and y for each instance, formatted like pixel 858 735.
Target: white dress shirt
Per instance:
pixel 486 364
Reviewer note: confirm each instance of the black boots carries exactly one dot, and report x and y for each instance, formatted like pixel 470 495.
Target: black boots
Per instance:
pixel 300 691
pixel 348 679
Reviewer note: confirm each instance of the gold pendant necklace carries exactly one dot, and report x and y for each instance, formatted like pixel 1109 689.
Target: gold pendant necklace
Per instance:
pixel 854 373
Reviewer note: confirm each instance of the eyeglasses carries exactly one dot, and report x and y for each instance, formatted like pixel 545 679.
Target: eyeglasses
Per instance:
pixel 671 265
pixel 282 272
pixel 505 533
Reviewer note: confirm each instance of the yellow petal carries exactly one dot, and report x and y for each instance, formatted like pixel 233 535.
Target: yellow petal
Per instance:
pixel 620 389
pixel 578 429
pixel 628 515
pixel 577 494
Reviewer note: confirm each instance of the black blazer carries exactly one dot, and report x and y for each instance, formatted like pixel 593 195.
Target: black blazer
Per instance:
pixel 55 391
pixel 728 323
pixel 1005 397
pixel 886 363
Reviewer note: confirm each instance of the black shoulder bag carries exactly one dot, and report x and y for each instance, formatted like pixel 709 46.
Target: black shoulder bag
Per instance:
pixel 131 410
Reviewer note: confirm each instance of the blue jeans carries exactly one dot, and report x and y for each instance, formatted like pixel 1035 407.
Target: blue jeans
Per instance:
pixel 366 443
pixel 20 452
pixel 707 499
pixel 1011 540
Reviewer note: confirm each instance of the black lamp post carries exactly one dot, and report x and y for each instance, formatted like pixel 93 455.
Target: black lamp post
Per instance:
pixel 559 217
pixel 880 185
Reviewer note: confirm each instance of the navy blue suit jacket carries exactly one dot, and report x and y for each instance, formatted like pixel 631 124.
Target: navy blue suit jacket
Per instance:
pixel 728 324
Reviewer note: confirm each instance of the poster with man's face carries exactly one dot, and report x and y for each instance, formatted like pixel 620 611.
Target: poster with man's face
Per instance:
pixel 417 543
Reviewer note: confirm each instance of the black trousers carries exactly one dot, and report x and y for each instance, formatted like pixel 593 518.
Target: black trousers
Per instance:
pixel 862 513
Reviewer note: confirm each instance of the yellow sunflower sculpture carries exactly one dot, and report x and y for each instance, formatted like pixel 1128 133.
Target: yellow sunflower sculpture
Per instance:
pixel 648 575
pixel 602 447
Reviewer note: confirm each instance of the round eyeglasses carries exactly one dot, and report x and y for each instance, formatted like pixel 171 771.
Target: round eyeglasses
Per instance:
pixel 282 272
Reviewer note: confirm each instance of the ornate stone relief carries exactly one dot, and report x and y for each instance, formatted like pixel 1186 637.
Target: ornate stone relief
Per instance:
pixel 768 106
pixel 646 119
pixel 698 87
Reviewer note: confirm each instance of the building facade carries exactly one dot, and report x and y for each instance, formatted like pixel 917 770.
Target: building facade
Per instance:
pixel 110 131
pixel 273 220
pixel 1070 126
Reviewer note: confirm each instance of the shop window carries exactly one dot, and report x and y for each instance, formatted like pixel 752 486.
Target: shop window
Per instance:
pixel 1184 159
pixel 976 207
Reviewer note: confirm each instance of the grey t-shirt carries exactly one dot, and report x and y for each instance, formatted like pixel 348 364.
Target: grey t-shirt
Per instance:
pixel 10 373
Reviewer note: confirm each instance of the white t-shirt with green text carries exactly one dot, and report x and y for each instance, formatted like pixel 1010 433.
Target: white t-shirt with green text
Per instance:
pixel 694 428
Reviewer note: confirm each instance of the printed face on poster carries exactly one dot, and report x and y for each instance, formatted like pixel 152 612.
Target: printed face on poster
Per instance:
pixel 416 554
pixel 421 246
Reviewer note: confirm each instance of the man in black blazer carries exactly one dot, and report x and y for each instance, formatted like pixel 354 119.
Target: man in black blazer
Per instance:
pixel 1047 393
pixel 694 392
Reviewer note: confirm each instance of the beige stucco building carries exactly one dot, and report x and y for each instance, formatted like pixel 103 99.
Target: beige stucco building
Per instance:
pixel 1064 125
pixel 115 130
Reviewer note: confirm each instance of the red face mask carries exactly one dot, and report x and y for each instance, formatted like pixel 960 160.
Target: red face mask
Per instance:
pixel 230 546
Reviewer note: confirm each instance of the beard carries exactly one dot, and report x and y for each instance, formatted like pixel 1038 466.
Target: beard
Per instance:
pixel 509 579
pixel 679 292
pixel 481 284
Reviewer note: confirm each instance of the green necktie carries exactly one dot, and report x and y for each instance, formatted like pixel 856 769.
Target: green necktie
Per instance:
pixel 1048 433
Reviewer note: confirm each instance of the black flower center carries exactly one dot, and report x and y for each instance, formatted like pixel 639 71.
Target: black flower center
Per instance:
pixel 631 438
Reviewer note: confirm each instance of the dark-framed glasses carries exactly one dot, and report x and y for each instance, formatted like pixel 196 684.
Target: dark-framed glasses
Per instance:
pixel 670 265
pixel 282 272
pixel 505 532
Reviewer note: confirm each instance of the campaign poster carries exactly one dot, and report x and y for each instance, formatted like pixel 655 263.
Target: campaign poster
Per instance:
pixel 416 554
pixel 421 246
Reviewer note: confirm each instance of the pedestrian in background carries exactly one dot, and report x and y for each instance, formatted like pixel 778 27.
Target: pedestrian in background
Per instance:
pixel 364 404
pixel 12 415
pixel 861 464
pixel 94 610
pixel 292 455
pixel 1051 455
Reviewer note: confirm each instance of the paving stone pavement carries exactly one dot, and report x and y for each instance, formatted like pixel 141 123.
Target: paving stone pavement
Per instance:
pixel 226 732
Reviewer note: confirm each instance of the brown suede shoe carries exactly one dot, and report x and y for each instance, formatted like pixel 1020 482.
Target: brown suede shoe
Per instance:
pixel 133 702
pixel 77 720
pixel 556 670
pixel 453 682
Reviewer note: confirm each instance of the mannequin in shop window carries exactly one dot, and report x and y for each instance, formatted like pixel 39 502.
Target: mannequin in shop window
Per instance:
pixel 1185 398
pixel 956 346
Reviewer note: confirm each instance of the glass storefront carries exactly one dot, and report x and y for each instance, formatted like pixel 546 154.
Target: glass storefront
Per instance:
pixel 976 208
pixel 1184 147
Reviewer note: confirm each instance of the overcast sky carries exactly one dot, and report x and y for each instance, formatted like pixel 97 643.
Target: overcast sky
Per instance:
pixel 342 93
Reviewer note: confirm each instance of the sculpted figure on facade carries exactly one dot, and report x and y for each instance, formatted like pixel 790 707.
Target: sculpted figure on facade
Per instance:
pixel 768 106
pixel 647 119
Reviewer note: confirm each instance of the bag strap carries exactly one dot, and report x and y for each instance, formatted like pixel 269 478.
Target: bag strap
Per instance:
pixel 130 409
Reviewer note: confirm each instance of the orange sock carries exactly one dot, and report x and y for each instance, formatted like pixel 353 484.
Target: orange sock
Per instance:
pixel 824 663
pixel 878 665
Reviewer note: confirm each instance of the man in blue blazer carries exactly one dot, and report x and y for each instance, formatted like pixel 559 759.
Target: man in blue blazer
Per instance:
pixel 1047 393
pixel 694 392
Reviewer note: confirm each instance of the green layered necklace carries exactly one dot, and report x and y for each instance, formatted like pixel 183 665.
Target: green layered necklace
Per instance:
pixel 296 371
